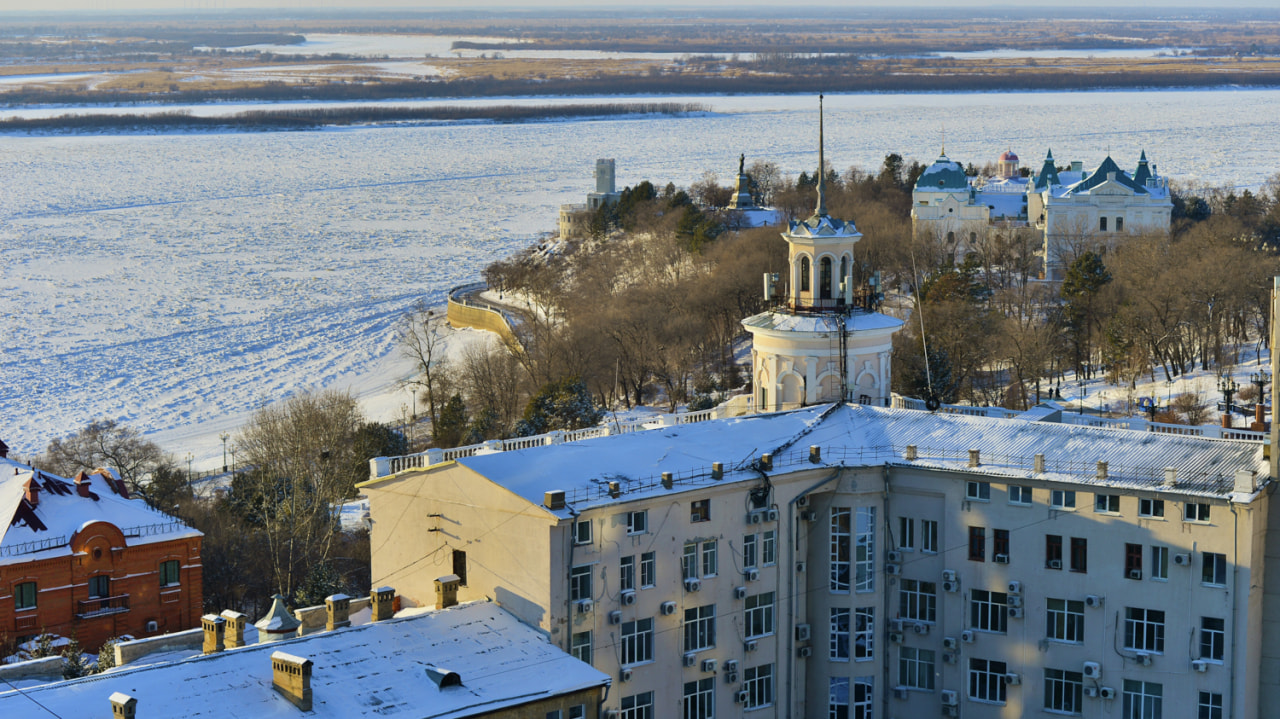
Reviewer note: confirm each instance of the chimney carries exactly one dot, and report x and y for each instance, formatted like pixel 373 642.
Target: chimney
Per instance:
pixel 214 628
pixel 1102 470
pixel 1039 464
pixel 1245 482
pixel 123 706
pixel 31 491
pixel 291 677
pixel 1170 476
pixel 447 591
pixel 82 485
pixel 717 470
pixel 815 454
pixel 667 480
pixel 553 499
pixel 337 610
pixel 233 635
pixel 278 624
pixel 766 462
pixel 975 458
pixel 382 603
pixel 910 454
pixel 615 489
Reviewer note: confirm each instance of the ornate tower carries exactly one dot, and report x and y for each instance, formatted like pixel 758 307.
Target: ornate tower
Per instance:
pixel 825 342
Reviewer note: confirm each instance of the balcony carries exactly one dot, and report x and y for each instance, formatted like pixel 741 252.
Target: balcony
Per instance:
pixel 102 606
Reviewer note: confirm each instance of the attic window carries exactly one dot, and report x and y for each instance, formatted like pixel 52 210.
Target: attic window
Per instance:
pixel 443 677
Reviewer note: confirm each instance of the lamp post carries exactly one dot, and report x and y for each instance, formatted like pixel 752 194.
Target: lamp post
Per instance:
pixel 1228 387
pixel 1080 400
pixel 189 459
pixel 224 437
pixel 1260 379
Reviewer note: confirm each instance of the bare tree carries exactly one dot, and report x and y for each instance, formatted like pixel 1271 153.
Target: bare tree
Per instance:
pixel 106 443
pixel 420 340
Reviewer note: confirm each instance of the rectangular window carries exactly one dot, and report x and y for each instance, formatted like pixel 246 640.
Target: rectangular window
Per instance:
pixel 710 558
pixel 865 551
pixel 906 533
pixel 1119 224
pixel 578 711
pixel 749 557
pixel 929 536
pixel 759 615
pixel 864 630
pixel 838 698
pixel 757 682
pixel 1106 503
pixel 1079 554
pixel 1210 706
pixel 648 569
pixel 24 596
pixel 978 544
pixel 700 511
pixel 1144 629
pixel 637 641
pixel 1053 551
pixel 580 583
pixel 768 548
pixel 1065 620
pixel 1062 691
pixel 862 697
pixel 169 573
pixel 627 578
pixel 1151 508
pixel 582 531
pixel 460 566
pixel 915 668
pixel 555 714
pixel 978 491
pixel 986 680
pixel 1062 499
pixel 841 551
pixel 1160 563
pixel 1019 495
pixel 988 611
pixel 699 628
pixel 637 706
pixel 637 522
pixel 580 646
pixel 917 600
pixel 1143 700
pixel 99 587
pixel 1133 561
pixel 1000 545
pixel 1102 224
pixel 700 699
pixel 840 634
pixel 689 561
pixel 1213 638
pixel 1213 569
pixel 1195 512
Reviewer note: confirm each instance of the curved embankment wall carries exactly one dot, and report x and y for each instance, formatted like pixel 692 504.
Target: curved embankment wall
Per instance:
pixel 461 314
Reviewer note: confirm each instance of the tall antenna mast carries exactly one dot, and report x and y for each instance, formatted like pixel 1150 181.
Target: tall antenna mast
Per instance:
pixel 822 167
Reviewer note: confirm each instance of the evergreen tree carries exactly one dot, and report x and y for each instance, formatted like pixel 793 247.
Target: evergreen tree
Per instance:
pixel 561 405
pixel 449 431
pixel 73 664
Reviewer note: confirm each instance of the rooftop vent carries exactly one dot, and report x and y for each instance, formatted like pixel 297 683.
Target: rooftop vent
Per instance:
pixel 384 599
pixel 1170 476
pixel 1102 470
pixel 910 454
pixel 291 677
pixel 123 706
pixel 666 480
pixel 443 677
pixel 553 499
pixel 766 462
pixel 975 458
pixel 1039 464
pixel 815 454
pixel 717 470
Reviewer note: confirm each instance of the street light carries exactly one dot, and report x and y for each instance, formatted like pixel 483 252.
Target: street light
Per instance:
pixel 1260 379
pixel 1080 400
pixel 224 437
pixel 189 458
pixel 1228 387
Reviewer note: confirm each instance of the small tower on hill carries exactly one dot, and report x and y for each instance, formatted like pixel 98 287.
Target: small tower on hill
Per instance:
pixel 825 342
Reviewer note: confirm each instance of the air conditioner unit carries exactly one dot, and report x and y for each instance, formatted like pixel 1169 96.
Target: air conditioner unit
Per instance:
pixel 893 556
pixel 668 608
pixel 1012 678
pixel 802 632
pixel 692 585
pixel 708 665
pixel 772 515
pixel 741 697
pixel 752 575
pixel 730 677
pixel 899 692
pixel 753 518
pixel 804 652
pixel 690 659
pixel 731 665
pixel 1001 559
pixel 739 592
pixel 1182 560
pixel 1015 612
pixel 1055 564
pixel 1014 600
pixel 625 675
pixel 950 698
pixel 896 625
pixel 1093 600
pixel 610 714
pixel 950 657
pixel 1015 587
pixel 800 567
pixel 1091 692
pixel 968 636
pixel 921 628
pixel 750 645
pixel 809 515
pixel 948 575
pixel 950 711
pixel 895 637
pixel 615 617
pixel 893 570
pixel 951 586
pixel 802 501
pixel 628 598
pixel 1144 659
pixel 1092 670
pixel 1200 665
pixel 1135 574
pixel 1106 693
pixel 153 626
pixel 950 643
pixel 584 606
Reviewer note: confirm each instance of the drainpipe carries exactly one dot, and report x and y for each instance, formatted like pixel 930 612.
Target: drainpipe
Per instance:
pixel 791 584
pixel 884 649
pixel 1235 600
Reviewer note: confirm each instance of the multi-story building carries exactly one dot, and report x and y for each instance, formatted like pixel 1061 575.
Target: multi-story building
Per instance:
pixel 859 561
pixel 79 558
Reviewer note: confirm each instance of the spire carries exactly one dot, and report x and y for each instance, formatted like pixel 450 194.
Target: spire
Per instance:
pixel 822 169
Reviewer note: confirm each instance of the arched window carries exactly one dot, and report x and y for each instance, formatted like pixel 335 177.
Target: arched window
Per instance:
pixel 804 274
pixel 951 237
pixel 824 278
pixel 844 274
pixel 1102 224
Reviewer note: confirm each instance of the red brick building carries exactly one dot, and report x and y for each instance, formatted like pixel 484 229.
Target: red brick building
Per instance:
pixel 79 557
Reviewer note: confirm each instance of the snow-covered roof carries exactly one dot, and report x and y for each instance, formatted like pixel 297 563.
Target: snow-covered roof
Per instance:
pixel 38 532
pixel 943 175
pixel 374 670
pixel 1006 198
pixel 791 322
pixel 824 226
pixel 856 435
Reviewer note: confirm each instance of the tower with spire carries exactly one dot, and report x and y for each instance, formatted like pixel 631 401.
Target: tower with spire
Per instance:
pixel 823 342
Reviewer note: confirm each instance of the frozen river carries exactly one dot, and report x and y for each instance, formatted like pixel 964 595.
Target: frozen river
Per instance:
pixel 175 282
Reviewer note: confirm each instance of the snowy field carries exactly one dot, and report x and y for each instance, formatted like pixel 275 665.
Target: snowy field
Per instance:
pixel 176 282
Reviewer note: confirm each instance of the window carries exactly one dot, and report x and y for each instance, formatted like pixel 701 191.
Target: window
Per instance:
pixel 1195 512
pixel 1144 629
pixel 1143 700
pixel 841 534
pixel 699 628
pixel 627 577
pixel 1213 638
pixel 1106 503
pixel 580 646
pixel 1160 563
pixel 840 634
pixel 459 566
pixel 804 274
pixel 637 522
pixel 99 587
pixel 1062 499
pixel 1102 224
pixel 1133 561
pixel 1065 620
pixel 838 698
pixel 169 573
pixel 986 680
pixel 758 684
pixel 1119 224
pixel 864 574
pixel 915 668
pixel 555 714
pixel 1213 568
pixel 578 711
pixel 700 699
pixel 637 706
pixel 1000 547
pixel 637 641
pixel 1151 508
pixel 580 583
pixel 929 536
pixel 1210 706
pixel 1062 691
pixel 582 531
pixel 862 695
pixel 906 533
pixel 749 551
pixel 917 600
pixel 988 611
pixel 1019 495
pixel 648 569
pixel 689 561
pixel 710 561
pixel 1053 551
pixel 978 544
pixel 824 278
pixel 864 631
pixel 1079 554
pixel 24 596
pixel 759 615
pixel 700 511
pixel 979 491
pixel 768 548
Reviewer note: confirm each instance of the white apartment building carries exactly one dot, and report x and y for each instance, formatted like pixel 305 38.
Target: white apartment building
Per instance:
pixel 852 561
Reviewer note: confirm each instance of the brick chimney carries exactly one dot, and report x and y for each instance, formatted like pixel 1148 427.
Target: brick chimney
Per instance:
pixel 291 677
pixel 31 491
pixel 214 630
pixel 234 634
pixel 123 706
pixel 447 591
pixel 382 602
pixel 337 610
pixel 82 486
